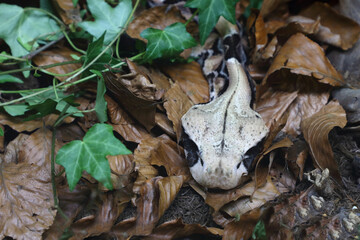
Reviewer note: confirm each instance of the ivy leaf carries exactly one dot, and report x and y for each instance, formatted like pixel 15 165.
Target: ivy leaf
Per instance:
pixel 1 132
pixel 23 28
pixel 167 43
pixel 16 109
pixel 210 12
pixel 100 103
pixel 108 19
pixel 9 78
pixel 90 155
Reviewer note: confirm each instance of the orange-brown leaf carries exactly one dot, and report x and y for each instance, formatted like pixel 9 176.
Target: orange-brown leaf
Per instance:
pixel 316 130
pixel 67 11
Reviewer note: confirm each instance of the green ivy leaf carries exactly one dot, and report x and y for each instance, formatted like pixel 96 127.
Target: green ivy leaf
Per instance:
pixel 94 49
pixel 259 232
pixel 210 12
pixel 90 155
pixel 9 78
pixel 167 43
pixel 1 132
pixel 21 27
pixel 108 19
pixel 16 110
pixel 100 103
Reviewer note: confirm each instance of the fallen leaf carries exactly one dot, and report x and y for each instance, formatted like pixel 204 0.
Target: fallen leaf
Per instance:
pixel 190 78
pixel 27 205
pixel 67 11
pixel 176 105
pixel 316 129
pixel 349 100
pixel 122 170
pixel 155 197
pixel 338 30
pixel 123 124
pixel 165 124
pixel 177 229
pixel 275 7
pixel 159 18
pixel 296 156
pixel 141 109
pixel 257 34
pixel 58 56
pixel 108 209
pixel 71 203
pixel 125 229
pixel 160 151
pixel 156 76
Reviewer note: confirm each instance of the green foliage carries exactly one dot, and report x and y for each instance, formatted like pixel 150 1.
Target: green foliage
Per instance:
pixel 259 232
pixel 9 78
pixel 210 12
pixel 100 104
pixel 167 43
pixel 1 132
pixel 23 28
pixel 108 19
pixel 90 155
pixel 16 110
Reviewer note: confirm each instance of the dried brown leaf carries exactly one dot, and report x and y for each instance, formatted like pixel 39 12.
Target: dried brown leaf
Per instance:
pixel 165 124
pixel 257 33
pixel 177 229
pixel 316 130
pixel 296 156
pixel 27 205
pixel 155 197
pixel 336 29
pixel 67 11
pixel 71 203
pixel 190 78
pixel 274 7
pixel 124 229
pixel 122 170
pixel 123 124
pixel 141 109
pixel 58 56
pixel 176 105
pixel 159 18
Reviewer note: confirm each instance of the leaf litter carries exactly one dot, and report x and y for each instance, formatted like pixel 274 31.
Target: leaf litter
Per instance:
pixel 145 103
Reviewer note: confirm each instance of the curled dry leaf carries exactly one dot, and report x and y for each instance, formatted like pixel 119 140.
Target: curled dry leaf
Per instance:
pixel 296 156
pixel 160 151
pixel 67 11
pixel 301 67
pixel 190 78
pixel 156 76
pixel 58 56
pixel 27 205
pixel 335 29
pixel 316 130
pixel 156 195
pixel 122 170
pixel 165 124
pixel 141 109
pixel 243 228
pixel 159 18
pixel 71 203
pixel 177 229
pixel 236 198
pixel 257 33
pixel 176 105
pixel 123 124
pixel 277 8
pixel 108 208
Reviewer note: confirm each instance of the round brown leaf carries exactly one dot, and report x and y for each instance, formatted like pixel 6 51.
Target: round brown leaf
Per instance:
pixel 316 129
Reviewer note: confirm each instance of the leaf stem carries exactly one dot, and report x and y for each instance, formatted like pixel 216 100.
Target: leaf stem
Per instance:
pixel 192 17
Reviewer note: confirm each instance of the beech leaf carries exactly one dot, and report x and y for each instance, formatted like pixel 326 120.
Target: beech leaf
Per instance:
pixel 90 155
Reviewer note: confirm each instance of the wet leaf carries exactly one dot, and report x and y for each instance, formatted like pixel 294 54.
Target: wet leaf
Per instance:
pixel 89 155
pixel 337 30
pixel 107 19
pixel 316 130
pixel 27 205
pixel 167 43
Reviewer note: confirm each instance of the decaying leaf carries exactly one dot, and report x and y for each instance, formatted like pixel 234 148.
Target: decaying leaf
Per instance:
pixel 176 105
pixel 165 124
pixel 67 11
pixel 316 130
pixel 160 151
pixel 123 124
pixel 336 29
pixel 122 169
pixel 190 78
pixel 58 56
pixel 156 195
pixel 27 204
pixel 177 229
pixel 141 109
pixel 259 38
